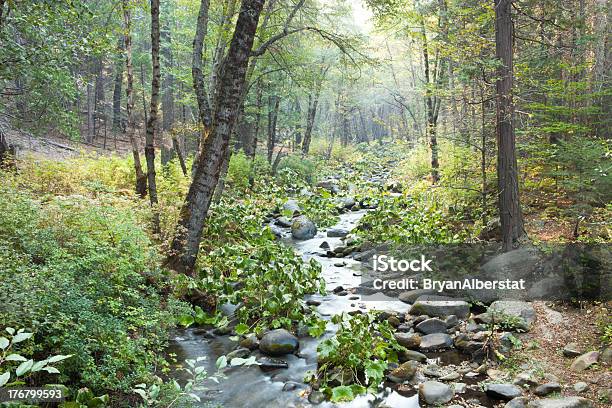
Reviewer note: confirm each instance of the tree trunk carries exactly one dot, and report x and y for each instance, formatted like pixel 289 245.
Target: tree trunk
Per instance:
pixel 141 180
pixel 152 122
pixel 430 107
pixel 215 141
pixel 179 154
pixel 507 169
pixel 273 104
pixel 168 85
pixel 117 89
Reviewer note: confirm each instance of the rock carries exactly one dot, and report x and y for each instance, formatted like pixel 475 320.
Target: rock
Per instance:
pixel 459 388
pixel 436 341
pixel 432 370
pixel 605 394
pixel 241 352
pixel 435 393
pixel 338 289
pixel 284 222
pixel 313 302
pixel 492 231
pixel 394 321
pixel 525 380
pixel 316 397
pixel 430 326
pixel 250 341
pixel 581 386
pixel 337 232
pixel 412 295
pixel 568 402
pixel 404 372
pixel 346 202
pixel 441 308
pixel 452 376
pixel 292 206
pixel 329 185
pixel 572 350
pixel 324 245
pixel 292 385
pixel 278 342
pixel 520 314
pixel 408 340
pixel 504 392
pixel 267 364
pixel 585 361
pixel 302 228
pixel 451 321
pixel 339 264
pixel 548 388
pixel 606 356
pixel 411 355
pixel 278 233
pixel 518 402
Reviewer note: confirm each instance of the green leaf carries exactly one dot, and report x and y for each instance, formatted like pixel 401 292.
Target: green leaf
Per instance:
pixel 38 366
pixel 57 358
pixel 4 378
pixel 19 337
pixel 24 367
pixel 241 328
pixel 10 330
pixel 342 393
pixel 4 343
pixel 186 320
pixel 51 370
pixel 15 357
pixel 221 362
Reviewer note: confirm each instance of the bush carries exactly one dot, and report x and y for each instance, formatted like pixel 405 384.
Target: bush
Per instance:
pixel 303 168
pixel 83 276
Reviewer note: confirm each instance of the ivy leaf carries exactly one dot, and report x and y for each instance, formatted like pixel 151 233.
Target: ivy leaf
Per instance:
pixel 186 320
pixel 241 328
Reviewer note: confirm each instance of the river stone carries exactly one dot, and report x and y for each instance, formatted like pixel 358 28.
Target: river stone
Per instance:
pixel 568 402
pixel 404 372
pixel 436 341
pixel 346 202
pixel 585 361
pixel 435 392
pixel 291 206
pixel 430 326
pixel 525 379
pixel 408 340
pixel 316 397
pixel 329 185
pixel 523 312
pixel 241 352
pixel 337 232
pixel 412 295
pixel 302 228
pixel 284 222
pixel 440 308
pixel 267 364
pixel 518 402
pixel 548 388
pixel 572 350
pixel 278 342
pixel 504 392
pixel 451 321
pixel 459 387
pixel 606 356
pixel 250 341
pixel 412 355
pixel 452 376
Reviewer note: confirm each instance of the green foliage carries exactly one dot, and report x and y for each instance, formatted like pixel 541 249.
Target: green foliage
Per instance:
pixel 302 168
pixel 354 360
pixel 404 220
pixel 83 276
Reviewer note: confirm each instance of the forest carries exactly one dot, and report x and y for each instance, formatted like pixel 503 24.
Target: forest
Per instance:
pixel 196 199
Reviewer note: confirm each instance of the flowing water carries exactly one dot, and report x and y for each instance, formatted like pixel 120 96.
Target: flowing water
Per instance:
pixel 254 388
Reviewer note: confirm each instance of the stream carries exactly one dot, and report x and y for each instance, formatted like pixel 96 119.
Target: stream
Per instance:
pixel 284 387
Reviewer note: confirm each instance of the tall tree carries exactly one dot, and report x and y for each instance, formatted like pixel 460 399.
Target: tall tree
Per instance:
pixel 141 178
pixel 152 124
pixel 507 170
pixel 215 138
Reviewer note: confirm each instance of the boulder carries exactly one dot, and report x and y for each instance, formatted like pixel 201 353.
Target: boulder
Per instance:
pixel 440 308
pixel 408 340
pixel 548 388
pixel 404 372
pixel 337 232
pixel 278 342
pixel 572 350
pixel 411 355
pixel 525 379
pixel 585 361
pixel 268 364
pixel 568 402
pixel 518 402
pixel 504 392
pixel 436 341
pixel 581 386
pixel 606 356
pixel 412 295
pixel 433 325
pixel 435 393
pixel 292 207
pixel 302 228
pixel 520 314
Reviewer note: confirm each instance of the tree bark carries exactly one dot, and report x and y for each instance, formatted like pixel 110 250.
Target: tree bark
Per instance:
pixel 167 85
pixel 117 88
pixel 215 141
pixel 152 122
pixel 141 179
pixel 273 105
pixel 507 170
